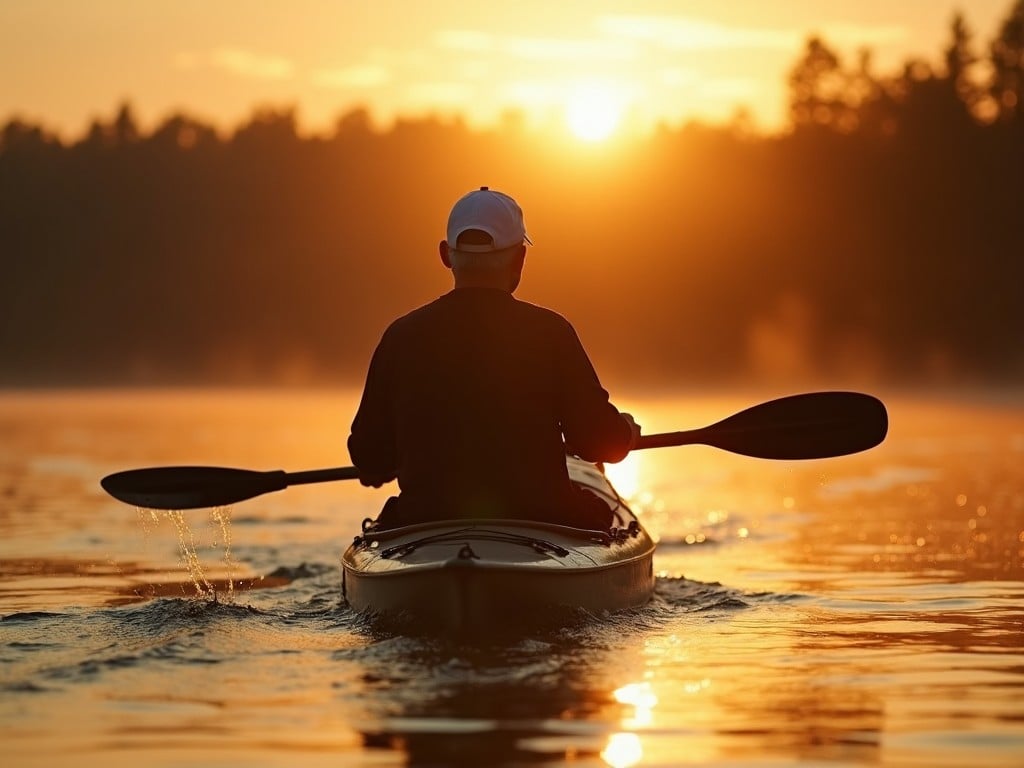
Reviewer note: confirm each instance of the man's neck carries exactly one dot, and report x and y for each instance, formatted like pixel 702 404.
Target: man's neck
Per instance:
pixel 493 284
pixel 498 280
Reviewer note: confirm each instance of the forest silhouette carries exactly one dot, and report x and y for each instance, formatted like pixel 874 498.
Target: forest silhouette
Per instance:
pixel 878 239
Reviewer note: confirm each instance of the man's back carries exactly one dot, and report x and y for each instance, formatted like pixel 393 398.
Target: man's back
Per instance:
pixel 467 400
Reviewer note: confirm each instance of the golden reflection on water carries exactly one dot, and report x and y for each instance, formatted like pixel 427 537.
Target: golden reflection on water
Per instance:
pixel 902 573
pixel 876 615
pixel 642 699
pixel 943 493
pixel 623 750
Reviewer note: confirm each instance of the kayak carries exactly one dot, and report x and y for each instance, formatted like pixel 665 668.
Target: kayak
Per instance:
pixel 476 577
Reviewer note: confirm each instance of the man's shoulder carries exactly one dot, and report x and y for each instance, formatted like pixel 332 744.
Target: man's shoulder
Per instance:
pixel 542 314
pixel 416 324
pixel 414 316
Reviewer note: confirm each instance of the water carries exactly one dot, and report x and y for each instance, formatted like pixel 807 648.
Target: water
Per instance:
pixel 857 611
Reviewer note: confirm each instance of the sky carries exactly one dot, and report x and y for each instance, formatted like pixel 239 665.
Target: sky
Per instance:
pixel 596 65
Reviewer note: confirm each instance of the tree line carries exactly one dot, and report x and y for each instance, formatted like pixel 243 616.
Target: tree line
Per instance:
pixel 880 238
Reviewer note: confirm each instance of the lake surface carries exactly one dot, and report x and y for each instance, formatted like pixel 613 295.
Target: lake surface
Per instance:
pixel 865 610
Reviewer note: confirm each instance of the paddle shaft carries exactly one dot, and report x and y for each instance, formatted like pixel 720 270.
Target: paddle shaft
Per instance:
pixel 321 475
pixel 673 439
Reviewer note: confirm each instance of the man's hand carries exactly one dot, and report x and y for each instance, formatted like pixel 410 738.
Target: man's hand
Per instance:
pixel 628 418
pixel 376 481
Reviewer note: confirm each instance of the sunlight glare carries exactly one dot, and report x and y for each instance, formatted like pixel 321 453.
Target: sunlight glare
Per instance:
pixel 593 113
pixel 623 750
pixel 642 699
pixel 625 476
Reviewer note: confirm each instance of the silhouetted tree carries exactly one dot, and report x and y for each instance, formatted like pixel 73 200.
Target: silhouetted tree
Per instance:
pixel 19 138
pixel 1007 58
pixel 960 60
pixel 124 128
pixel 268 128
pixel 354 123
pixel 181 132
pixel 876 105
pixel 818 88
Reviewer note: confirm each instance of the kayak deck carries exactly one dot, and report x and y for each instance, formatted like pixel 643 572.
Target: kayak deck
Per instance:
pixel 469 577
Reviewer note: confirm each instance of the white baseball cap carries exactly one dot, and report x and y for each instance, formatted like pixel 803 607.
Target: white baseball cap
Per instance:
pixel 492 212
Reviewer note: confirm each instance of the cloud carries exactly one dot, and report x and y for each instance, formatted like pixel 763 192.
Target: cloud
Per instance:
pixel 444 94
pixel 244 63
pixel 684 33
pixel 553 49
pixel 470 41
pixel 860 35
pixel 247 64
pixel 236 61
pixel 365 76
pixel 536 48
pixel 678 77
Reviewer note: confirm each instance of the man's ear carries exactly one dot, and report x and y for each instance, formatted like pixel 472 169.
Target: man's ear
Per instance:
pixel 442 249
pixel 520 257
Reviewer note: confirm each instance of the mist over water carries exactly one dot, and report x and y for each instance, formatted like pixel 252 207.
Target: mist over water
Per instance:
pixel 850 611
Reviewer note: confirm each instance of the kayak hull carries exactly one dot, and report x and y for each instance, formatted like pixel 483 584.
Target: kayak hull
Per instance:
pixel 478 577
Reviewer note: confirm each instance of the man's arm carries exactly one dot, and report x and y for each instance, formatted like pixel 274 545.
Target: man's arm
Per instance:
pixel 371 444
pixel 593 427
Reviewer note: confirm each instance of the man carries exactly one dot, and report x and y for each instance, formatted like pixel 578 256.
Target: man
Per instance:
pixel 468 399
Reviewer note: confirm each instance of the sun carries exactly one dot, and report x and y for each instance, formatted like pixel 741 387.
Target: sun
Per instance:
pixel 592 113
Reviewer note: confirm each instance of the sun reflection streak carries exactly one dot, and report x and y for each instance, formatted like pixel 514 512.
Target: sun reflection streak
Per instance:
pixel 623 750
pixel 642 699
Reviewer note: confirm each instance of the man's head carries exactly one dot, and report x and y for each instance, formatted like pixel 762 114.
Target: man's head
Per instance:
pixel 486 242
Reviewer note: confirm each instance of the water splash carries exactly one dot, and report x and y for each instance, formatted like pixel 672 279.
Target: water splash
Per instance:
pixel 222 516
pixel 190 555
pixel 150 520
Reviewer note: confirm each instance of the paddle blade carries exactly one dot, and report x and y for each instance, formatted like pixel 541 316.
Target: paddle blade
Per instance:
pixel 190 487
pixel 816 425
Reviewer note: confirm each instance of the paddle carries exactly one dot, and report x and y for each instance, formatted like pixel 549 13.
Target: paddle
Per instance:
pixel 810 426
pixel 816 425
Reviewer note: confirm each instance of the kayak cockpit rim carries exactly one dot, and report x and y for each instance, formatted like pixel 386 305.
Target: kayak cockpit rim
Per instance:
pixel 467 525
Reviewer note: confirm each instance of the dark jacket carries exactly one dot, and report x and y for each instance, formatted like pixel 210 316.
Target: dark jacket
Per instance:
pixel 467 401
